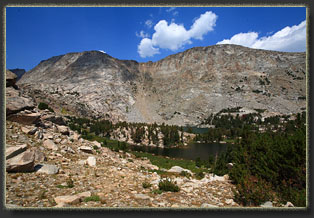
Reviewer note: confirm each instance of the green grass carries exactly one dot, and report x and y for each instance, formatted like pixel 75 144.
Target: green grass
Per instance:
pixel 92 198
pixel 167 163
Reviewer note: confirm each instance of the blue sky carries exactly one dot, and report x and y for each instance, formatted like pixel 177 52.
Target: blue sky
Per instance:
pixel 146 33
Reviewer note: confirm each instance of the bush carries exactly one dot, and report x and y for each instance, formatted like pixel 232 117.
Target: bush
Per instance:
pixel 44 106
pixel 146 184
pixel 167 185
pixel 185 173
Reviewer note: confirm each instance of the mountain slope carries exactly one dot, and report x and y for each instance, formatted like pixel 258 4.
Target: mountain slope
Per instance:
pixel 180 89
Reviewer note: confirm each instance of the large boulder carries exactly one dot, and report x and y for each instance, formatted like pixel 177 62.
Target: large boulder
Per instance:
pixel 64 130
pixel 177 169
pixel 54 119
pixel 47 169
pixel 14 151
pixel 25 118
pixel 10 78
pixel 15 102
pixel 23 162
pixel 50 145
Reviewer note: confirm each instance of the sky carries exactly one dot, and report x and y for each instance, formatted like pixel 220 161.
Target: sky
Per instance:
pixel 146 34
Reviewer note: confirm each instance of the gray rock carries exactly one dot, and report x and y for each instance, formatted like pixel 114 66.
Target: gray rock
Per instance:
pixel 14 151
pixel 206 205
pixel 10 78
pixel 50 145
pixel 86 149
pixel 289 204
pixel 177 169
pixel 23 162
pixel 47 169
pixel 64 130
pixel 267 204
pixel 15 102
pixel 68 199
pixel 141 196
pixel 24 118
pixel 91 161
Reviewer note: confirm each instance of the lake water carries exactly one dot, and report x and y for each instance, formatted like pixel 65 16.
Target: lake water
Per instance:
pixel 190 152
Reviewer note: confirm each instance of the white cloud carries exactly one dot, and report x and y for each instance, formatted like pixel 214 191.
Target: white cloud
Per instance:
pixel 203 25
pixel 289 39
pixel 149 23
pixel 146 49
pixel 142 34
pixel 175 36
pixel 171 36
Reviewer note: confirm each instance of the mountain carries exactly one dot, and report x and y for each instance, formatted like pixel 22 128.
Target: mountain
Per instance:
pixel 181 89
pixel 18 72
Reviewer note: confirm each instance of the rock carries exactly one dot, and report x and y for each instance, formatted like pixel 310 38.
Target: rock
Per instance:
pixel 54 119
pixel 76 136
pixel 39 156
pixel 14 151
pixel 289 204
pixel 50 145
pixel 68 199
pixel 84 194
pixel 29 130
pixel 97 144
pixel 62 204
pixel 229 165
pixel 24 118
pixel 23 162
pixel 206 205
pixel 47 168
pixel 177 169
pixel 91 161
pixel 86 149
pixel 10 78
pixel 229 201
pixel 64 130
pixel 267 204
pixel 141 196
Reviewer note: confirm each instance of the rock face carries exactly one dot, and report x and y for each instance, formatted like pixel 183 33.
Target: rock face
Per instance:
pixel 180 89
pixel 23 162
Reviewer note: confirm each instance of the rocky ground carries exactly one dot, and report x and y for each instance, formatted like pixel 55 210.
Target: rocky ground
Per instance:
pixel 67 160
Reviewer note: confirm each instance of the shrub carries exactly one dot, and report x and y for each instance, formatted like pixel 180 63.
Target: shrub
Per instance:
pixel 146 184
pixel 185 173
pixel 43 106
pixel 200 175
pixel 167 185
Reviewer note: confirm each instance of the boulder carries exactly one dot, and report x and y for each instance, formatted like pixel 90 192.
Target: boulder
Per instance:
pixel 91 161
pixel 177 169
pixel 10 78
pixel 14 151
pixel 15 102
pixel 54 119
pixel 39 156
pixel 23 162
pixel 47 169
pixel 206 205
pixel 64 130
pixel 289 204
pixel 97 144
pixel 24 118
pixel 86 149
pixel 67 199
pixel 50 145
pixel 29 130
pixel 267 204
pixel 84 194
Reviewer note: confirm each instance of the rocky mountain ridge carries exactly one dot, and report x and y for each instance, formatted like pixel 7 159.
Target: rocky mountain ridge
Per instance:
pixel 181 89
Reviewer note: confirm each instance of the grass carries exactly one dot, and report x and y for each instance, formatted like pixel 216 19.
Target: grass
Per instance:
pixel 167 163
pixel 92 198
pixel 146 184
pixel 167 185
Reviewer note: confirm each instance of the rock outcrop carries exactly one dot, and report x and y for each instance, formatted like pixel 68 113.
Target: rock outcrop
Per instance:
pixel 180 89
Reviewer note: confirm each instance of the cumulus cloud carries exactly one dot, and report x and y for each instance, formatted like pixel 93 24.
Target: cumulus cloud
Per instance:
pixel 289 39
pixel 146 49
pixel 174 36
pixel 142 34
